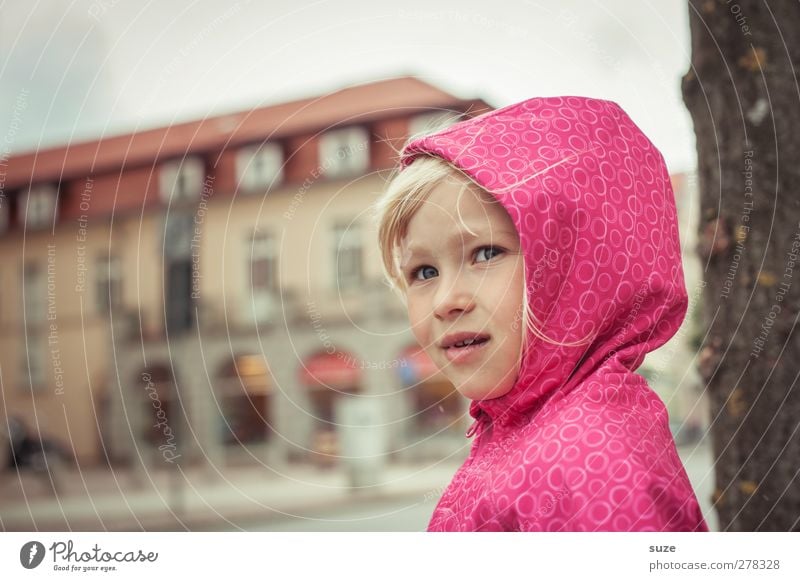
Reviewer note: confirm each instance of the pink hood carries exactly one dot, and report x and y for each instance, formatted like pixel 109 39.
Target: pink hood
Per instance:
pixel 581 442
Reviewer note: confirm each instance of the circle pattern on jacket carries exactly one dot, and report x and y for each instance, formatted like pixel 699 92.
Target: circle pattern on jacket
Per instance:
pixel 580 442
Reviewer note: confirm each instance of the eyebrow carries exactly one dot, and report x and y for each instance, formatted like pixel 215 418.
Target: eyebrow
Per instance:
pixel 417 250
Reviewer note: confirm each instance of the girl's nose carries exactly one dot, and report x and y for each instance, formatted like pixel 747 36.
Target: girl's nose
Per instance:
pixel 453 298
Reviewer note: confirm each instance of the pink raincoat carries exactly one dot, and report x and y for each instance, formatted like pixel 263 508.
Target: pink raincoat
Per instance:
pixel 581 442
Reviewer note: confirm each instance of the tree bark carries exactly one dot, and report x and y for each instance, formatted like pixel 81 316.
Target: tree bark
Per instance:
pixel 743 92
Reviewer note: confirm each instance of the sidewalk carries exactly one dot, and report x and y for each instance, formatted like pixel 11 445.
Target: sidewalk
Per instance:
pixel 102 500
pixel 199 498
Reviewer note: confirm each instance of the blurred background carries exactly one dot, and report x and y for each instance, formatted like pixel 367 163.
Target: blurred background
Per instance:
pixel 194 329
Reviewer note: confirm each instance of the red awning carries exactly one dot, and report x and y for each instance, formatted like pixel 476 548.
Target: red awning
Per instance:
pixel 421 366
pixel 338 370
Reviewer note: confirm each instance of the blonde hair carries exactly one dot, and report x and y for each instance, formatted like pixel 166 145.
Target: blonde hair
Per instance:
pixel 407 190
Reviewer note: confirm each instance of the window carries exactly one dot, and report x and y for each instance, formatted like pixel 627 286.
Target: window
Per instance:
pixel 109 283
pixel 34 308
pixel 431 121
pixel 244 396
pixel 263 275
pixel 34 297
pixel 182 180
pixel 347 244
pixel 37 206
pixel 344 152
pixel 259 166
pixel 179 234
pixel 4 214
pixel 33 361
pixel 180 241
pixel 262 263
pixel 179 306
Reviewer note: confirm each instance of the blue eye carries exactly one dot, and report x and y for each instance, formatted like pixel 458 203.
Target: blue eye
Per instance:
pixel 414 275
pixel 491 249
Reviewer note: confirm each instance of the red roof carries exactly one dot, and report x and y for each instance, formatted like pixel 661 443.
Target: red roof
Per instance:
pixel 360 103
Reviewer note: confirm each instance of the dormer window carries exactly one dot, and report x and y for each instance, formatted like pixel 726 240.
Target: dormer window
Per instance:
pixel 344 152
pixel 431 121
pixel 37 206
pixel 182 180
pixel 259 167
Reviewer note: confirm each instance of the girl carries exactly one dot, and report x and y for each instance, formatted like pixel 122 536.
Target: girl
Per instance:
pixel 536 249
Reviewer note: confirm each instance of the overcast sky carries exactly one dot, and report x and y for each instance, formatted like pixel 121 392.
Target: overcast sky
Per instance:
pixel 83 69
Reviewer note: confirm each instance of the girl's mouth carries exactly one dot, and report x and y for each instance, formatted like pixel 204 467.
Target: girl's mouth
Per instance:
pixel 466 353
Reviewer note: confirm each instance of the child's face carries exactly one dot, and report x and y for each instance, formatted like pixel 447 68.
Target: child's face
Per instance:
pixel 460 282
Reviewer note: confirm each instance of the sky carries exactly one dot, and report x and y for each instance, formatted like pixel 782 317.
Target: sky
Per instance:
pixel 82 69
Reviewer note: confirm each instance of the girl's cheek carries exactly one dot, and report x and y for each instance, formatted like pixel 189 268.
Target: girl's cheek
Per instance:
pixel 417 319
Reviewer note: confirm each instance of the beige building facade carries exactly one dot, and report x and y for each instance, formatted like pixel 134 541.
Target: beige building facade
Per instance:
pixel 212 291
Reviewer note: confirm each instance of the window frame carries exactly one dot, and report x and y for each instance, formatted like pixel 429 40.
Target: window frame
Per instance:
pixel 333 141
pixel 34 300
pixel 248 176
pixel 5 214
pixel 348 238
pixel 190 169
pixel 432 121
pixel 108 270
pixel 34 362
pixel 40 218
pixel 261 246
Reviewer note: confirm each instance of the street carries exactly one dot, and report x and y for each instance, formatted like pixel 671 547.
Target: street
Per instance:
pixel 413 513
pixel 410 514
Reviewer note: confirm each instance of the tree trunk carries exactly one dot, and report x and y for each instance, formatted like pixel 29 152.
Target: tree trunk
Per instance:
pixel 743 92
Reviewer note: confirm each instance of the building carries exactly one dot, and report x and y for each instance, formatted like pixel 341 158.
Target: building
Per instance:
pixel 211 291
